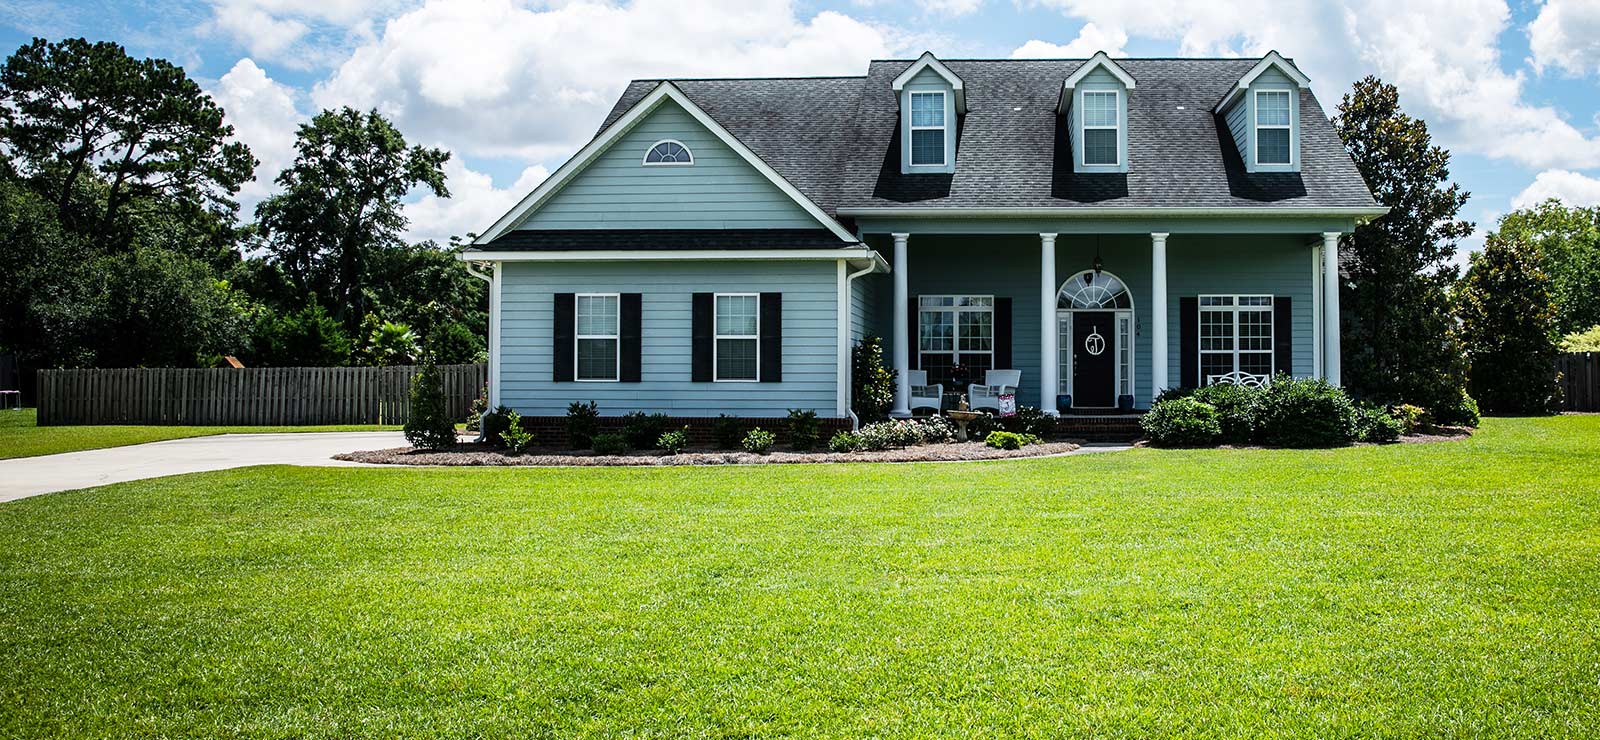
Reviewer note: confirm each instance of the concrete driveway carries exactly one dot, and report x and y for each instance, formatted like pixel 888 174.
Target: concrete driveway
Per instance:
pixel 31 476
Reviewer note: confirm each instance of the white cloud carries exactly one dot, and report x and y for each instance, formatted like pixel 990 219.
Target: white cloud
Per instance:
pixel 473 205
pixel 1091 38
pixel 1443 55
pixel 496 79
pixel 1572 188
pixel 298 33
pixel 1566 34
pixel 264 117
pixel 950 8
pixel 260 33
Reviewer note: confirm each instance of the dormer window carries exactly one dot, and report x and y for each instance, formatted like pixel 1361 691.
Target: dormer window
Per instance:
pixel 668 152
pixel 1095 100
pixel 1101 126
pixel 1273 127
pixel 927 129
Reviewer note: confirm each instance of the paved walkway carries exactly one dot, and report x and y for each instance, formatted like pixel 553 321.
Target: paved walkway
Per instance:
pixel 31 476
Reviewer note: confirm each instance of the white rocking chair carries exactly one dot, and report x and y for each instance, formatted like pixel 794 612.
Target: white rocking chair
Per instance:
pixel 924 396
pixel 1248 380
pixel 996 383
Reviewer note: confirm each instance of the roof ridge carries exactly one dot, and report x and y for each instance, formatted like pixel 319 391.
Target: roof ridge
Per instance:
pixel 1085 59
pixel 738 79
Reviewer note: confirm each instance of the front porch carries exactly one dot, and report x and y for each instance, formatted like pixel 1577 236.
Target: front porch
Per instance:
pixel 1098 324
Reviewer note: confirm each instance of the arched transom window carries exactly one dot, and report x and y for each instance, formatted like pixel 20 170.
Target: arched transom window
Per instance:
pixel 668 152
pixel 1089 289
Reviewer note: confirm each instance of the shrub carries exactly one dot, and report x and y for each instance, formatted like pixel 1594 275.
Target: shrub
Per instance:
pixel 478 409
pixel 494 425
pixel 583 423
pixel 1305 412
pixel 804 431
pixel 642 430
pixel 430 426
pixel 1413 419
pixel 1587 340
pixel 1009 440
pixel 844 442
pixel 516 437
pixel 879 436
pixel 937 429
pixel 1030 420
pixel 759 441
pixel 1377 425
pixel 1236 409
pixel 675 441
pixel 610 443
pixel 1182 422
pixel 1462 412
pixel 980 427
pixel 728 432
pixel 871 381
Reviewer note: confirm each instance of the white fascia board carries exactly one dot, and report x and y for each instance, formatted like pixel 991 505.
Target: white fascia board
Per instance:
pixel 1113 212
pixel 863 255
pixel 1271 60
pixel 1099 61
pixel 929 61
pixel 664 91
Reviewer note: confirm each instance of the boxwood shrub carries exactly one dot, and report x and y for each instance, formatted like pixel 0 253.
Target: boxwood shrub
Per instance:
pixel 1236 407
pixel 1305 412
pixel 1182 422
pixel 1462 412
pixel 1378 425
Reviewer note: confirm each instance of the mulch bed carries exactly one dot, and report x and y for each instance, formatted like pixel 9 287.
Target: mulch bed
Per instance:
pixel 475 454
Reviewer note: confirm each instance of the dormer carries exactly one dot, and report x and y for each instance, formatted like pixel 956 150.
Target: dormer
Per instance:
pixel 1095 101
pixel 931 99
pixel 1263 114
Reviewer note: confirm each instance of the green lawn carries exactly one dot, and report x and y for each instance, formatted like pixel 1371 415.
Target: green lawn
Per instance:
pixel 20 437
pixel 1443 590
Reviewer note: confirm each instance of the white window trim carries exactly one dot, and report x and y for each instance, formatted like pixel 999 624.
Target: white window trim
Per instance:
pixel 944 134
pixel 955 338
pixel 1065 347
pixel 1084 127
pixel 646 159
pixel 1272 331
pixel 717 336
pixel 576 338
pixel 1255 113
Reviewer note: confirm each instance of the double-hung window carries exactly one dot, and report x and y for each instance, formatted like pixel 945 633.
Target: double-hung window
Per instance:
pixel 1101 124
pixel 955 330
pixel 598 334
pixel 1273 127
pixel 738 336
pixel 1235 335
pixel 927 129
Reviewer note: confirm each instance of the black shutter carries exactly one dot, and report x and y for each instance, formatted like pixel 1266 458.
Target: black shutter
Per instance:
pixel 565 337
pixel 1282 335
pixel 1188 343
pixel 771 338
pixel 702 310
pixel 912 354
pixel 632 337
pixel 1002 334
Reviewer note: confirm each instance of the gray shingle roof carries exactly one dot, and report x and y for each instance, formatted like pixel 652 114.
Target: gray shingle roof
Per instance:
pixel 836 139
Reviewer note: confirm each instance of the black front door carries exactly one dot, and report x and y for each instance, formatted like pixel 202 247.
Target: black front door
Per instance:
pixel 1093 352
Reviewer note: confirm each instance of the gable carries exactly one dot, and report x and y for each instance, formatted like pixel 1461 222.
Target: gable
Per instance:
pixel 1240 118
pixel 719 191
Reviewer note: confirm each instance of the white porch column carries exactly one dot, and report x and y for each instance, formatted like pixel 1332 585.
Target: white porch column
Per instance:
pixel 902 329
pixel 1049 362
pixel 1158 313
pixel 1330 306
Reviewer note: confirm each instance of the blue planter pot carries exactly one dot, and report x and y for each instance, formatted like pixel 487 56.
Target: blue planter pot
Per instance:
pixel 1125 403
pixel 1063 403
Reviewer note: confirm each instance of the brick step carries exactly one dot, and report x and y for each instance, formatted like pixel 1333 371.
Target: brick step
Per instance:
pixel 1110 428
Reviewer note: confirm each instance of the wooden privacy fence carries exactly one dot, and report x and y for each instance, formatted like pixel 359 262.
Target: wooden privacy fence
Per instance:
pixel 1580 380
pixel 263 396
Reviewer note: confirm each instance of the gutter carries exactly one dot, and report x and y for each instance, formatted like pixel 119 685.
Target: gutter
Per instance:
pixel 844 338
pixel 494 312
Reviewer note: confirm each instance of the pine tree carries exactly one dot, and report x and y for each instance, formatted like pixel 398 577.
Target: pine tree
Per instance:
pixel 430 426
pixel 1508 325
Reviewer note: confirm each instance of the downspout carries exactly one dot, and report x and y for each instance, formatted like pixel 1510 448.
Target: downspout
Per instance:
pixel 844 341
pixel 489 402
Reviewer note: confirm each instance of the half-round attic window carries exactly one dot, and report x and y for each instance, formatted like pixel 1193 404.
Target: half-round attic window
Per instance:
pixel 668 151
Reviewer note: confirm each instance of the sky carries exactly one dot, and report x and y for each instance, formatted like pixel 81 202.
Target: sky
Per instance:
pixel 513 87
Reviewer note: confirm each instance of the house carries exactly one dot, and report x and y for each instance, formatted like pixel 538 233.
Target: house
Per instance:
pixel 1107 227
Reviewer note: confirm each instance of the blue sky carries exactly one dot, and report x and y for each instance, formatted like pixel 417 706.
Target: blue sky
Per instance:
pixel 512 87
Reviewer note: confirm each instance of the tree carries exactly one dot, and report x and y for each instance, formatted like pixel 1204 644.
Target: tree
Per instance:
pixel 149 133
pixel 389 343
pixel 430 426
pixel 1508 325
pixel 1396 335
pixel 871 381
pixel 1568 240
pixel 308 338
pixel 341 204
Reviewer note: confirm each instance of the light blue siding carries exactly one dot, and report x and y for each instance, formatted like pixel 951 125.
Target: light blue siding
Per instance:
pixel 1239 127
pixel 810 326
pixel 719 191
pixel 1098 80
pixel 928 81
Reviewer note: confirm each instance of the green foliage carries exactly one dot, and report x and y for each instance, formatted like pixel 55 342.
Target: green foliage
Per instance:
pixel 495 424
pixel 1508 325
pixel 728 431
pixel 1304 412
pixel 804 430
pixel 871 381
pixel 431 426
pixel 308 338
pixel 583 423
pixel 1377 425
pixel 1236 409
pixel 759 441
pixel 843 442
pixel 389 343
pixel 1181 422
pixel 1030 420
pixel 1413 419
pixel 1568 242
pixel 477 409
pixel 1461 411
pixel 939 429
pixel 1582 341
pixel 515 435
pixel 642 430
pixel 1395 308
pixel 610 443
pixel 1009 440
pixel 675 441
